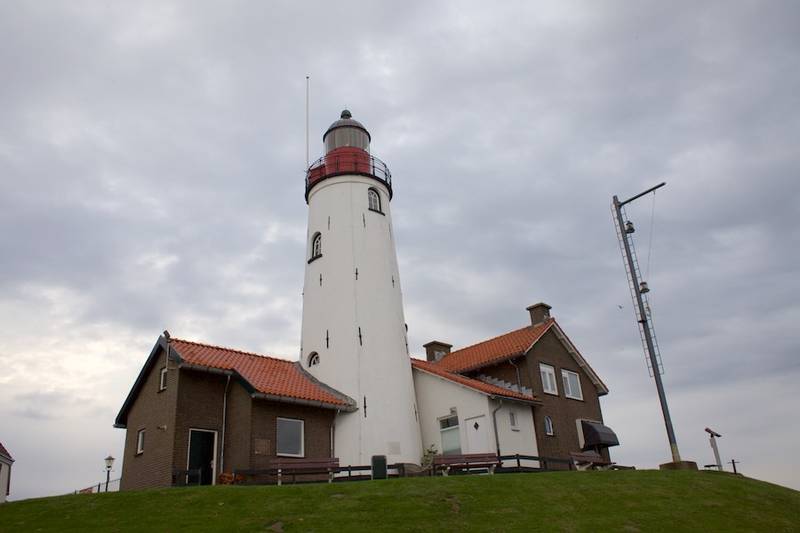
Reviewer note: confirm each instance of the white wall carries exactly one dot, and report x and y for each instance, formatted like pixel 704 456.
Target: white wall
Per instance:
pixel 436 396
pixel 5 471
pixel 522 439
pixel 378 367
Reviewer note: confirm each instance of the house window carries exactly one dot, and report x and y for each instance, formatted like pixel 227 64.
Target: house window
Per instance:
pixel 572 385
pixel 512 418
pixel 290 437
pixel 140 442
pixel 451 441
pixel 162 379
pixel 374 200
pixel 548 379
pixel 316 245
pixel 313 359
pixel 548 426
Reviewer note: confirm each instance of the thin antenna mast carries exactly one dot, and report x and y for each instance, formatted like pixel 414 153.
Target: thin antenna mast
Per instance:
pixel 638 290
pixel 308 90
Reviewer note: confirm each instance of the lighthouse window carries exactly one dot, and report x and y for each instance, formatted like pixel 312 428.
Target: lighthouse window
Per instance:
pixel 313 359
pixel 316 246
pixel 374 200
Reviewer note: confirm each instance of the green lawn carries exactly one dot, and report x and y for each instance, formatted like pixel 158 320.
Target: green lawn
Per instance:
pixel 557 501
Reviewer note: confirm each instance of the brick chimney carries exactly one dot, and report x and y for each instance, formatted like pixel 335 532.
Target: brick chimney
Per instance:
pixel 539 313
pixel 435 350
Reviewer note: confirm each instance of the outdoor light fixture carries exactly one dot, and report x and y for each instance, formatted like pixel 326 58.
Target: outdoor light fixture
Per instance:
pixel 109 463
pixel 629 227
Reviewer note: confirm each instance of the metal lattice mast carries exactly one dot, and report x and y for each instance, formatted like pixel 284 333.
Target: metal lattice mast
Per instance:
pixel 642 308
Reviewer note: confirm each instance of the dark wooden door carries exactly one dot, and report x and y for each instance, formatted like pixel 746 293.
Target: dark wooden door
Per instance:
pixel 201 455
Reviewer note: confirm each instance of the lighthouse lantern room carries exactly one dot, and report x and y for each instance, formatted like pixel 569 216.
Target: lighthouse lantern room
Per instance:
pixel 354 334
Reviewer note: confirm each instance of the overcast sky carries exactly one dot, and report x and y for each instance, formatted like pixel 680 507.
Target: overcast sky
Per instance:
pixel 151 176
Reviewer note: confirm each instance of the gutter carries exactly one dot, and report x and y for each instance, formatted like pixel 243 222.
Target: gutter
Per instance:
pixel 494 422
pixel 224 417
pixel 300 401
pixel 519 379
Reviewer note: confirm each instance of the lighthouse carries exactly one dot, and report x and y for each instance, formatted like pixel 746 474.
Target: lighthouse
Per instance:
pixel 354 335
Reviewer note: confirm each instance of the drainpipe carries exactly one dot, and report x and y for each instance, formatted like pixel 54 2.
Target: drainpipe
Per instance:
pixel 494 422
pixel 519 379
pixel 224 416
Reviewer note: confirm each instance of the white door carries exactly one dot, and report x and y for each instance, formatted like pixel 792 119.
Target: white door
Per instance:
pixel 477 435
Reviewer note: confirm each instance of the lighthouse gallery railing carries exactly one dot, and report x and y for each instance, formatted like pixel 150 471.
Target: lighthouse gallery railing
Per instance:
pixel 352 161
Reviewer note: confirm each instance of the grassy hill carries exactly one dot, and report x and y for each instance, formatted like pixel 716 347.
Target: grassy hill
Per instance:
pixel 557 501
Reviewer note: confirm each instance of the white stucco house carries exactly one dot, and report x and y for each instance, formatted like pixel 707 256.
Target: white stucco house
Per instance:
pixel 464 415
pixel 5 473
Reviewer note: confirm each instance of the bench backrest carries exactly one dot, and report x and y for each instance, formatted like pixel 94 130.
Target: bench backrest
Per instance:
pixel 465 459
pixel 332 462
pixel 588 457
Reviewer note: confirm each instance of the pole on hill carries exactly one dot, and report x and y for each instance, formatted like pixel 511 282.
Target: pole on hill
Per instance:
pixel 638 289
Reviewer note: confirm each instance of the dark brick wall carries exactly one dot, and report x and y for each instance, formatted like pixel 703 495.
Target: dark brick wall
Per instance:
pixel 194 400
pixel 562 410
pixel 200 396
pixel 151 409
pixel 317 429
pixel 237 433
pixel 507 372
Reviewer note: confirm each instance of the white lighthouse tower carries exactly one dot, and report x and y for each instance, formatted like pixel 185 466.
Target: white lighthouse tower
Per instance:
pixel 354 334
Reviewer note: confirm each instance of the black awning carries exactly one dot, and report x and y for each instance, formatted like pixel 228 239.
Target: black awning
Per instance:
pixel 596 434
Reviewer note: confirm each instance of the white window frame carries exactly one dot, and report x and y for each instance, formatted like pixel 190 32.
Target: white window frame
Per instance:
pixel 313 359
pixel 550 372
pixel 302 437
pixel 140 442
pixel 162 379
pixel 377 197
pixel 456 428
pixel 548 426
pixel 568 392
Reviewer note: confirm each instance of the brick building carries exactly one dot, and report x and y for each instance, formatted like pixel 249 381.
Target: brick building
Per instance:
pixel 200 406
pixel 194 405
pixel 541 360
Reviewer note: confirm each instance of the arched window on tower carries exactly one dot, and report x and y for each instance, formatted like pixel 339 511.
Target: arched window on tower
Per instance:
pixel 316 246
pixel 313 359
pixel 374 200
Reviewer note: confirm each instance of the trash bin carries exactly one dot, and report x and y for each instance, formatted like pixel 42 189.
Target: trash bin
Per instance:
pixel 379 467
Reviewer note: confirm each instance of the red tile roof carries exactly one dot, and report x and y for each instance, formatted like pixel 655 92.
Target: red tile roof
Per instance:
pixel 494 350
pixel 475 384
pixel 4 452
pixel 267 375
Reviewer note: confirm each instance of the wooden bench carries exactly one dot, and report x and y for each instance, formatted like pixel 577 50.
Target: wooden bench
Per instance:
pixel 467 462
pixel 589 460
pixel 295 467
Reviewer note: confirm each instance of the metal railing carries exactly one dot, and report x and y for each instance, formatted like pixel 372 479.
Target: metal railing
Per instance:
pixel 183 478
pixel 113 486
pixel 338 164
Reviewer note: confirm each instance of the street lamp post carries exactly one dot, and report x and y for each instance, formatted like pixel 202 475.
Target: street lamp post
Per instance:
pixel 109 463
